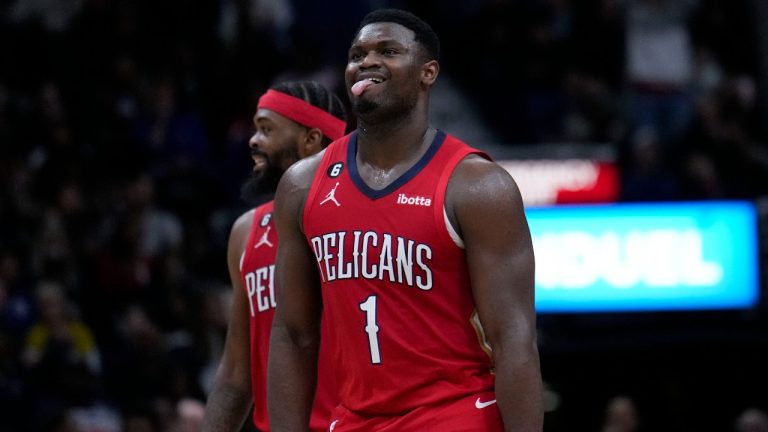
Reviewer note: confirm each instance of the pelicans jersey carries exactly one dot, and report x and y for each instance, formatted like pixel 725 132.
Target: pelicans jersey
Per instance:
pixel 257 270
pixel 404 332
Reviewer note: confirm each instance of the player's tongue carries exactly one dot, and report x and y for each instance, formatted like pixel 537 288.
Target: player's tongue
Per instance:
pixel 359 87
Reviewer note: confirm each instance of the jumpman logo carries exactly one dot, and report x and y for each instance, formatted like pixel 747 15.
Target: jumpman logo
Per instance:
pixel 264 240
pixel 331 196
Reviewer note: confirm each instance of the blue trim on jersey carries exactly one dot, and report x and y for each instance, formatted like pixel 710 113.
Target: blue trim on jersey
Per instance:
pixel 411 173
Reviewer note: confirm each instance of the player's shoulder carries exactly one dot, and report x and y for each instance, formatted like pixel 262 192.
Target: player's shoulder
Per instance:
pixel 476 159
pixel 294 186
pixel 302 173
pixel 299 176
pixel 242 224
pixel 478 176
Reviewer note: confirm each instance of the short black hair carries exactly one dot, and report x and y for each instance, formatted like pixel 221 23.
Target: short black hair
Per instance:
pixel 422 31
pixel 315 94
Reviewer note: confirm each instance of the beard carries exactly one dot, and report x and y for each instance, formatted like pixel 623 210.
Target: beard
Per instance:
pixel 261 186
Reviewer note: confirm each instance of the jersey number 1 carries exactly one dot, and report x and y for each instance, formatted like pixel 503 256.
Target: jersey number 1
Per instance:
pixel 369 307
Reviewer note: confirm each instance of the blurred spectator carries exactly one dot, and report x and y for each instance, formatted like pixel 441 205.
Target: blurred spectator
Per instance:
pixel 11 384
pixel 519 70
pixel 56 421
pixel 215 316
pixel 621 415
pixel 590 108
pixel 599 41
pixel 55 15
pixel 140 421
pixel 647 175
pixel 751 420
pixel 138 368
pixel 189 416
pixel 725 157
pixel 544 69
pixel 17 307
pixel 136 239
pixel 59 355
pixel 659 66
pixel 59 339
pixel 701 177
pixel 170 130
pixel 65 239
pixel 96 418
pixel 128 87
pixel 276 17
pixel 160 232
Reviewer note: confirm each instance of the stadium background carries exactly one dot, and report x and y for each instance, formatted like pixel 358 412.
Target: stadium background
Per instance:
pixel 122 148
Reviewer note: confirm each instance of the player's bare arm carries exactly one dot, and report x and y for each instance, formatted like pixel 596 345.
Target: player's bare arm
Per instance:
pixel 485 205
pixel 230 399
pixel 296 327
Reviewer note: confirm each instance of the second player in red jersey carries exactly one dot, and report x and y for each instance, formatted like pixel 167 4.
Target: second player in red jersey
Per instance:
pixel 293 120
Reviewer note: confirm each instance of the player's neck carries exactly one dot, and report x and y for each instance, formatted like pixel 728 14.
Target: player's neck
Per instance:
pixel 381 163
pixel 389 143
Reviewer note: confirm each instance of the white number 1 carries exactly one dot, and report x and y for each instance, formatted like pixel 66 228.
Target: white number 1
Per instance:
pixel 369 307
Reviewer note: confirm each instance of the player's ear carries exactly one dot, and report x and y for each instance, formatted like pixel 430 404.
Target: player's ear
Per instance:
pixel 311 142
pixel 429 72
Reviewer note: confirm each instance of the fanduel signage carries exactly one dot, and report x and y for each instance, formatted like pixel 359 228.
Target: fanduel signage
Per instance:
pixel 645 257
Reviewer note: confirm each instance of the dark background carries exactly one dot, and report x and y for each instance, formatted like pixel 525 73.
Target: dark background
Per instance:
pixel 123 130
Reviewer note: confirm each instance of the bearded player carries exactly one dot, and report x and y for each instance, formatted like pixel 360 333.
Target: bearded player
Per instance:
pixel 293 120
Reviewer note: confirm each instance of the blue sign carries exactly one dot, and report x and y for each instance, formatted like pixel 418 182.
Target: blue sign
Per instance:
pixel 645 257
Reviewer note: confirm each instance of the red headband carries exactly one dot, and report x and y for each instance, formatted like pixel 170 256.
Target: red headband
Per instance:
pixel 304 113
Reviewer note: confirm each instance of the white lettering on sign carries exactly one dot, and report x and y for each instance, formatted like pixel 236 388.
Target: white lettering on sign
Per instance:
pixel 655 258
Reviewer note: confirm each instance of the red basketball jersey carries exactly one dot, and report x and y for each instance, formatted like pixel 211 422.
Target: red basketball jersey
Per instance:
pixel 257 270
pixel 395 284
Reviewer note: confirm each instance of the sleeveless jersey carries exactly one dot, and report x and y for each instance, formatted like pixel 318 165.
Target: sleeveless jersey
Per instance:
pixel 395 285
pixel 257 270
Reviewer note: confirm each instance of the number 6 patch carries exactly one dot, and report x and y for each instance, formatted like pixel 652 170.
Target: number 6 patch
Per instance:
pixel 335 169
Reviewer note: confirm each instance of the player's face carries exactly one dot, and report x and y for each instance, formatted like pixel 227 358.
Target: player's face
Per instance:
pixel 384 69
pixel 274 146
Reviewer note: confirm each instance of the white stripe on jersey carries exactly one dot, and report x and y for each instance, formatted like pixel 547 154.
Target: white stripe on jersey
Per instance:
pixel 452 231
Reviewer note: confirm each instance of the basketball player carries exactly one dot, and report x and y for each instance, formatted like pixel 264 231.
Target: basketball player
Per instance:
pixel 293 120
pixel 415 249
